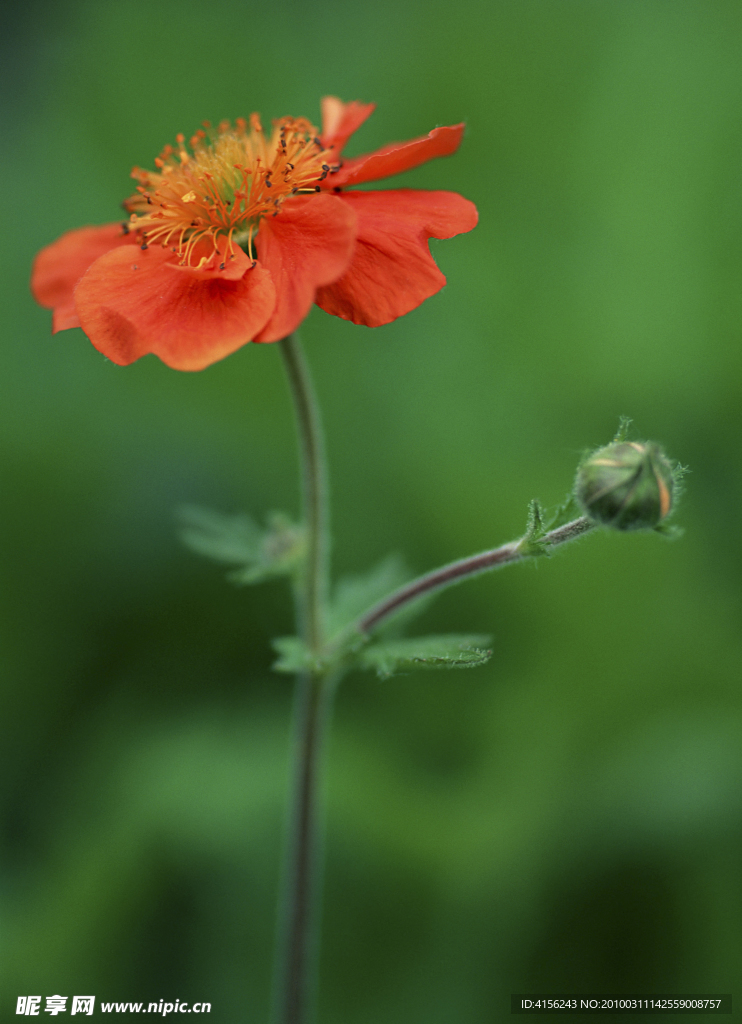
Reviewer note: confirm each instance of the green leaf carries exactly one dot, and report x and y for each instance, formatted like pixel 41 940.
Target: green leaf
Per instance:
pixel 624 429
pixel 354 595
pixel 535 541
pixel 536 528
pixel 293 655
pixel 259 554
pixel 223 538
pixel 455 650
pixel 532 541
pixel 281 552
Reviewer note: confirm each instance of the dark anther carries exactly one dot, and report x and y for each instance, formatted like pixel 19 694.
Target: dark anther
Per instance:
pixel 144 246
pixel 222 266
pixel 125 228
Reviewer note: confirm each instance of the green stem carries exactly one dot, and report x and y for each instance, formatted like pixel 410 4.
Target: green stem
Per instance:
pixel 299 907
pixel 312 596
pixel 298 936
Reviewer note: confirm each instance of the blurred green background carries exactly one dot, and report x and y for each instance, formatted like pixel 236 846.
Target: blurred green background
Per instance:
pixel 570 816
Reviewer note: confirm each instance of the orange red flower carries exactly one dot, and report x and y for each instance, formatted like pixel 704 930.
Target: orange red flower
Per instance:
pixel 233 237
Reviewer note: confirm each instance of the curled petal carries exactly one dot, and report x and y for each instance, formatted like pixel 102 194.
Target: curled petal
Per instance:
pixel 59 267
pixel 309 244
pixel 132 302
pixel 207 263
pixel 392 271
pixel 340 120
pixel 397 157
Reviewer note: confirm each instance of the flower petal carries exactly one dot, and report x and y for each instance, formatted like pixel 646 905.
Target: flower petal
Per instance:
pixel 392 271
pixel 208 263
pixel 64 317
pixel 397 157
pixel 340 120
pixel 310 243
pixel 132 303
pixel 59 266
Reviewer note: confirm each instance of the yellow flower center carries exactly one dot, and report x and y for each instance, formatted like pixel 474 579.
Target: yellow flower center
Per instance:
pixel 220 190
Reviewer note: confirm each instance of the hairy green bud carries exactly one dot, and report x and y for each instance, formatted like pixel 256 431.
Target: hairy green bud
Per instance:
pixel 628 485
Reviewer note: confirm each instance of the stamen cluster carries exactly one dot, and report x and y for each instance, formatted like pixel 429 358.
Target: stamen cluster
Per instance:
pixel 219 191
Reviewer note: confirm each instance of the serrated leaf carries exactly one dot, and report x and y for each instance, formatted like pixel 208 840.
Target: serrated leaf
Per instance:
pixel 427 652
pixel 535 528
pixel 624 429
pixel 355 594
pixel 281 550
pixel 293 655
pixel 259 554
pixel 532 541
pixel 224 538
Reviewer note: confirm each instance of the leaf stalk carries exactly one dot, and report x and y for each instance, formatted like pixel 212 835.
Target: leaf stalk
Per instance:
pixel 466 568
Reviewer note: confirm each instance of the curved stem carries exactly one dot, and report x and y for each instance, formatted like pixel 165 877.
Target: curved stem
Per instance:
pixel 296 957
pixel 314 586
pixel 465 568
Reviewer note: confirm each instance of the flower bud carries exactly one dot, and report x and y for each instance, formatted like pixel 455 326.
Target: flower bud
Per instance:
pixel 627 485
